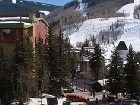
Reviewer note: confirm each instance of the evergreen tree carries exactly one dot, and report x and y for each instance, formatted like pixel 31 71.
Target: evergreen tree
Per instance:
pixel 68 60
pixel 29 77
pixel 73 64
pixel 83 52
pixel 18 69
pixel 23 78
pixel 96 63
pixel 4 89
pixel 115 75
pixel 53 60
pixel 131 75
pixel 41 68
pixel 59 60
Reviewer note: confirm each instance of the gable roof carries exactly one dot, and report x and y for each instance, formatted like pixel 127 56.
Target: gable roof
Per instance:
pixel 121 46
pixel 42 19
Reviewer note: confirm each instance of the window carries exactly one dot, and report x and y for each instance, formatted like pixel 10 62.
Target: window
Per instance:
pixel 6 32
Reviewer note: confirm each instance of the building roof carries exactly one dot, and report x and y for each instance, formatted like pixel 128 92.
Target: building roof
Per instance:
pixel 121 46
pixel 15 25
pixel 18 22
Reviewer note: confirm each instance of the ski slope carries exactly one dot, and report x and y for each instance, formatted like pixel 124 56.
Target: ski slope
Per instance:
pixel 130 31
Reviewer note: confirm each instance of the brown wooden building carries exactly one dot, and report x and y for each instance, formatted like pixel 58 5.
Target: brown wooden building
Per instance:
pixel 13 27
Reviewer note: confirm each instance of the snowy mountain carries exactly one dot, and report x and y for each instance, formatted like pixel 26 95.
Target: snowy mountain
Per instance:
pixel 23 7
pixel 110 31
pixel 79 10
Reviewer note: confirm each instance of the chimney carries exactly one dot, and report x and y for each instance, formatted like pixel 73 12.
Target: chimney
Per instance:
pixel 32 16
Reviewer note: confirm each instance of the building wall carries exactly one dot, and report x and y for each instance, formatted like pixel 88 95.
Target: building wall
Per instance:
pixel 40 30
pixel 123 54
pixel 12 36
pixel 9 52
pixel 85 69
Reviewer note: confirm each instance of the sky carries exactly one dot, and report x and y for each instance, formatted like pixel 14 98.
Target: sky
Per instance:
pixel 55 2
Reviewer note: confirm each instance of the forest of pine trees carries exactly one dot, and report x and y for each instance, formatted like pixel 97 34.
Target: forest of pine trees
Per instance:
pixel 96 63
pixel 124 78
pixel 45 67
pixel 36 69
pixel 115 76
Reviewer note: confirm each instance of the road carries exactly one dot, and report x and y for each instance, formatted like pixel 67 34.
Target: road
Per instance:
pixel 86 94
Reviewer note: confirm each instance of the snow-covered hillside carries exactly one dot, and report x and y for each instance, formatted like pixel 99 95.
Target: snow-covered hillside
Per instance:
pixel 130 30
pixel 81 8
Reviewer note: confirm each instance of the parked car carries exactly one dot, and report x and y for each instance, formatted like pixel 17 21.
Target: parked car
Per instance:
pixel 14 102
pixel 110 98
pixel 68 90
pixel 75 98
pixel 128 102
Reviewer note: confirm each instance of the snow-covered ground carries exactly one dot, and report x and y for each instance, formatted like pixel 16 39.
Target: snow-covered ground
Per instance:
pixel 130 31
pixel 38 101
pixel 81 8
pixel 45 12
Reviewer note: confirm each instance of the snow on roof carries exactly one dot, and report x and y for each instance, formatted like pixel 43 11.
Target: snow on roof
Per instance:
pixel 85 58
pixel 12 18
pixel 48 95
pixel 75 51
pixel 15 22
pixel 103 81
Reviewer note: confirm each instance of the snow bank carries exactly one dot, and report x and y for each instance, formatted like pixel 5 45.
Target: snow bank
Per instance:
pixel 12 18
pixel 61 100
pixel 37 101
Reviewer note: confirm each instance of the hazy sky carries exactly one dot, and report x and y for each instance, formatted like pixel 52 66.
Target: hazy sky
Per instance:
pixel 56 2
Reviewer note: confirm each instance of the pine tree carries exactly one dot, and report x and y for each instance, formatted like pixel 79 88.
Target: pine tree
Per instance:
pixel 18 60
pixel 73 64
pixel 4 84
pixel 115 75
pixel 131 75
pixel 53 60
pixel 96 63
pixel 29 77
pixel 83 52
pixel 41 68
pixel 23 77
pixel 58 59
